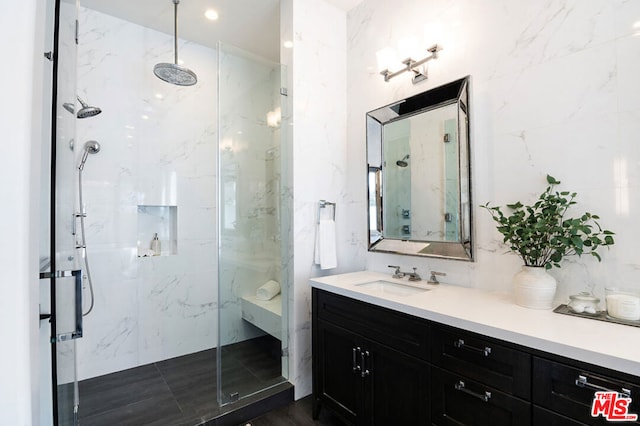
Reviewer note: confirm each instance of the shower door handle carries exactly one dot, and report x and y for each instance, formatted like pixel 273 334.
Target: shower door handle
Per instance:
pixel 75 320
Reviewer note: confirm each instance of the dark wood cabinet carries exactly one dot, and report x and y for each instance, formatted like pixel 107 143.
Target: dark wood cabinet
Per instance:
pixel 362 376
pixel 458 400
pixel 496 364
pixel 478 380
pixel 337 379
pixel 568 388
pixel 397 388
pixel 376 366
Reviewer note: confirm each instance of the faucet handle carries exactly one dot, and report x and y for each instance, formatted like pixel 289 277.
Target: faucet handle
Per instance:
pixel 434 279
pixel 414 276
pixel 396 273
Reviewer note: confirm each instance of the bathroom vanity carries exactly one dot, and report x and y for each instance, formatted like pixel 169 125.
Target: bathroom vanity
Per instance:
pixel 386 351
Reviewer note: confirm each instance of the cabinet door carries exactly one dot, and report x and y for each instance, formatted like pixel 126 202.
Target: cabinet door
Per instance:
pixel 337 377
pixel 396 387
pixel 457 400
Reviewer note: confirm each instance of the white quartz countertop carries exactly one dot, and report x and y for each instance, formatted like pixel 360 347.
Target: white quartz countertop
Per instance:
pixel 494 314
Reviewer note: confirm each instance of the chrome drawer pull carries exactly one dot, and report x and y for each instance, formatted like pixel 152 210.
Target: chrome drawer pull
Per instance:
pixel 460 345
pixel 365 370
pixel 461 387
pixel 355 366
pixel 583 382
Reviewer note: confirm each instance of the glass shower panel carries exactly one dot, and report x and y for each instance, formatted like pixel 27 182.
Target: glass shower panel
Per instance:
pixel 64 253
pixel 252 286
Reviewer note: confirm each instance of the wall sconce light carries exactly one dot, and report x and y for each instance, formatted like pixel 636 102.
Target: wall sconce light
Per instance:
pixel 418 67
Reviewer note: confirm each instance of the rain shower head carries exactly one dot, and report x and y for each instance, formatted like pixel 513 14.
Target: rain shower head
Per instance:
pixel 86 110
pixel 403 163
pixel 90 147
pixel 174 73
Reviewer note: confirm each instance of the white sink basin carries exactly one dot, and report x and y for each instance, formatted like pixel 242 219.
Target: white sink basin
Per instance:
pixel 389 287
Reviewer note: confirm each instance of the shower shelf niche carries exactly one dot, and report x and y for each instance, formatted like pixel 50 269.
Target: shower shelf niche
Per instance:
pixel 162 220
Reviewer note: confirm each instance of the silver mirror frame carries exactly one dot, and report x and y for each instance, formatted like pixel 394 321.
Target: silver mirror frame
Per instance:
pixel 456 92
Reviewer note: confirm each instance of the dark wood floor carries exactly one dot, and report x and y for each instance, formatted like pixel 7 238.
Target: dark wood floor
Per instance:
pixel 297 413
pixel 178 391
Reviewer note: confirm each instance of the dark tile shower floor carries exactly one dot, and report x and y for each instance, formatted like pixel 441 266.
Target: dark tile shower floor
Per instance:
pixel 178 391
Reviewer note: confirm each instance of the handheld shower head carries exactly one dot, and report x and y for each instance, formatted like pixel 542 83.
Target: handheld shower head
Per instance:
pixel 403 163
pixel 90 147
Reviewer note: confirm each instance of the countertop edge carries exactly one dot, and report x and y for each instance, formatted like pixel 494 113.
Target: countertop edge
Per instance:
pixel 549 344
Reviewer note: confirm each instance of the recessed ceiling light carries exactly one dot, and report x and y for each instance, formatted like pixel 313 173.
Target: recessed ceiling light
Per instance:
pixel 211 14
pixel 288 44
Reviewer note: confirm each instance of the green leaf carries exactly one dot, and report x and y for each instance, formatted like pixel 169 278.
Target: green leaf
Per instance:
pixel 552 181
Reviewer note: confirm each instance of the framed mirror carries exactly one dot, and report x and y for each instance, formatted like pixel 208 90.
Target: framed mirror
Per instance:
pixel 419 175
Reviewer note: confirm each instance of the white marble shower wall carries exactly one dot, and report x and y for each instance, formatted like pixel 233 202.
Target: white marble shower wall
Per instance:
pixel 159 148
pixel 554 90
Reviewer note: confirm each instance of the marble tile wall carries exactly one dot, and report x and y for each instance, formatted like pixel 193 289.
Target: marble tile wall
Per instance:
pixel 317 68
pixel 553 91
pixel 159 148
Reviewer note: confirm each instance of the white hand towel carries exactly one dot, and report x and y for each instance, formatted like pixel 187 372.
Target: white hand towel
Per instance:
pixel 325 253
pixel 268 291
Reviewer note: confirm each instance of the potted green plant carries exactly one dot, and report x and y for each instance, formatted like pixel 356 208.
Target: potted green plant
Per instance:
pixel 542 235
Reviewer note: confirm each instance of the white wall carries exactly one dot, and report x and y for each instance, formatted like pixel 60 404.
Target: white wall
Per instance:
pixel 21 111
pixel 554 90
pixel 320 162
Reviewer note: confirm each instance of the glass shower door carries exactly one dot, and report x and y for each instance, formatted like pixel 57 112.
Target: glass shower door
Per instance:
pixel 252 288
pixel 63 272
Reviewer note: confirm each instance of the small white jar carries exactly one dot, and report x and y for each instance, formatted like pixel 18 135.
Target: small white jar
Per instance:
pixel 584 303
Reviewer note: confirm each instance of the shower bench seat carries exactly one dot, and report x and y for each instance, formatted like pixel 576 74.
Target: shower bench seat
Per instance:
pixel 264 314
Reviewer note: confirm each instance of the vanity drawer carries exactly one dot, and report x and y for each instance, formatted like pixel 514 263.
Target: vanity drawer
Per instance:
pixel 477 357
pixel 549 418
pixel 457 400
pixel 399 331
pixel 555 388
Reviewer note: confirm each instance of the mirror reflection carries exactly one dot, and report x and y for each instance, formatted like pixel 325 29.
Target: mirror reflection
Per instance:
pixel 419 189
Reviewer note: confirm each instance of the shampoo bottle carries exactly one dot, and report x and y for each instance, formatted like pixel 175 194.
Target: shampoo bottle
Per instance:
pixel 155 245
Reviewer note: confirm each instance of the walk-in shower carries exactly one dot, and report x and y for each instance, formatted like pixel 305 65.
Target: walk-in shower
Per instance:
pixel 205 172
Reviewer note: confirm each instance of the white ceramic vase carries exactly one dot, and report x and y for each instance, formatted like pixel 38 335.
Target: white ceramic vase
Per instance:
pixel 534 288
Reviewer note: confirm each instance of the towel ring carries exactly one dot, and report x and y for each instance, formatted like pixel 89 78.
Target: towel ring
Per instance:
pixel 323 204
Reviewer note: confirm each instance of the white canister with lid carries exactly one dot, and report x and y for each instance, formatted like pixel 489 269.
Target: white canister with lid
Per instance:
pixel 623 304
pixel 583 303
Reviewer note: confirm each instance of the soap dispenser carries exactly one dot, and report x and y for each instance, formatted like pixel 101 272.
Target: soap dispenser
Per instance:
pixel 155 245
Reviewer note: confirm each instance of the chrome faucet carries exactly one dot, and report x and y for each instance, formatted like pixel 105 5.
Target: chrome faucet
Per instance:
pixel 433 279
pixel 396 273
pixel 413 276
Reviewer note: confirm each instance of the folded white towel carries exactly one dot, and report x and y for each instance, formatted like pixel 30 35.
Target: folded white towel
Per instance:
pixel 325 252
pixel 268 291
